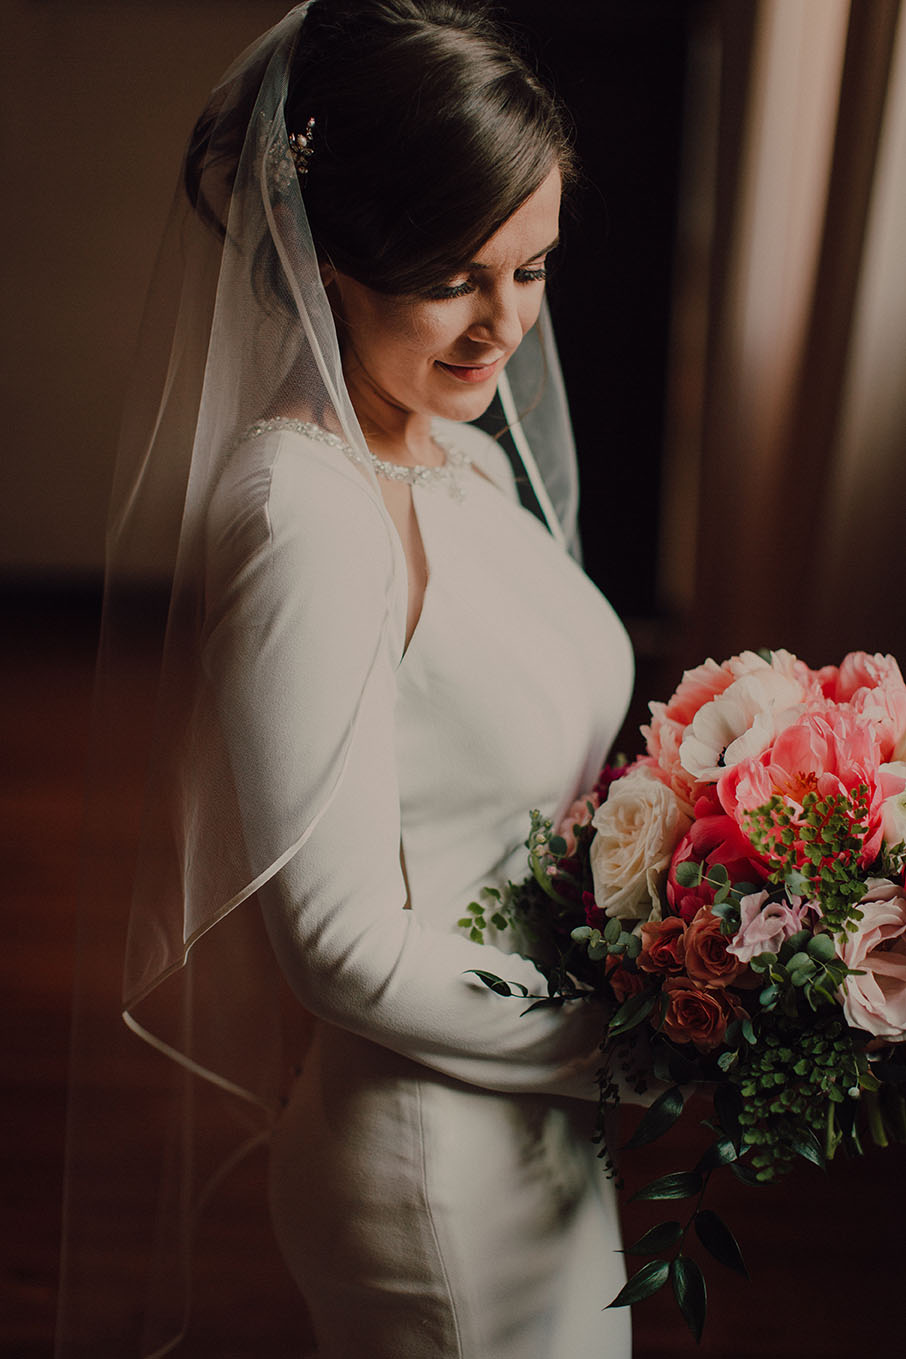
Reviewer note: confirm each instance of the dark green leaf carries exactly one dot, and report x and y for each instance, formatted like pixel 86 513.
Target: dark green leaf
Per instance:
pixel 717 1238
pixel 718 875
pixel 643 1283
pixel 748 1032
pixel 746 1174
pixel 806 1144
pixel 662 1115
pixel 889 1071
pixel 630 1013
pixel 727 1107
pixel 498 986
pixel 721 1153
pixel 683 1184
pixel 690 1292
pixel 661 1237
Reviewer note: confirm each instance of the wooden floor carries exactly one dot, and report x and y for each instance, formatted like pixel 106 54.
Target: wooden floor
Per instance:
pixel 827 1253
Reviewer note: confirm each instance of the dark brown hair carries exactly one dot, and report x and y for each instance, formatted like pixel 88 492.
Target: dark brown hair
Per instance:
pixel 430 131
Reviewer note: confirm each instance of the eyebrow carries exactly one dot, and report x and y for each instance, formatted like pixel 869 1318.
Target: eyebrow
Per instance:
pixel 545 250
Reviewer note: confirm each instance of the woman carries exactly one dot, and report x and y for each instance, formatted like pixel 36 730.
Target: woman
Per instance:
pixel 376 663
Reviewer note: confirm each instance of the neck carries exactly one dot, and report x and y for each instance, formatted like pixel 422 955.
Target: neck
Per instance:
pixel 395 434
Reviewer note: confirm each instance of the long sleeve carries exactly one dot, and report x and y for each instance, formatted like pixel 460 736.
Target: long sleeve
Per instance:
pixel 301 566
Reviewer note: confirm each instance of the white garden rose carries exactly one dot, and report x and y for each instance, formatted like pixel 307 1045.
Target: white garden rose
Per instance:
pixel 638 828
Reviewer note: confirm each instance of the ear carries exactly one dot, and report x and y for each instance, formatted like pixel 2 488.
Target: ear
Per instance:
pixel 327 271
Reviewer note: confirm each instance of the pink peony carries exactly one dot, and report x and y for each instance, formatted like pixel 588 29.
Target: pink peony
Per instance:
pixel 829 754
pixel 872 687
pixel 763 928
pixel 876 1000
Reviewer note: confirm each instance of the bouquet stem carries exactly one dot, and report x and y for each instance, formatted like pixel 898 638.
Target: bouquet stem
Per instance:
pixel 875 1118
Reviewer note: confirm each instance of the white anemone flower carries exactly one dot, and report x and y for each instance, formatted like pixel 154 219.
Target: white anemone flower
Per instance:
pixel 740 723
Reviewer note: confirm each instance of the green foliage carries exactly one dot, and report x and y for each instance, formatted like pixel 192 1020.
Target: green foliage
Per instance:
pixel 643 1283
pixel 476 921
pixel 662 1115
pixel 816 852
pixel 789 1083
pixel 690 1293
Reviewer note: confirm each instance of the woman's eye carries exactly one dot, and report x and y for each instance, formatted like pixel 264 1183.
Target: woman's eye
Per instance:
pixel 447 290
pixel 536 275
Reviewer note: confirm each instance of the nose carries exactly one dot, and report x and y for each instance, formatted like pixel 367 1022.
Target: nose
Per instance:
pixel 499 321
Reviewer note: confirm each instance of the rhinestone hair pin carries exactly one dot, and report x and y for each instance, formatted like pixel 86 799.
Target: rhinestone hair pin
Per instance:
pixel 301 148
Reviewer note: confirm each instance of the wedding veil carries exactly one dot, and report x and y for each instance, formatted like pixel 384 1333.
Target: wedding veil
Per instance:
pixel 238 328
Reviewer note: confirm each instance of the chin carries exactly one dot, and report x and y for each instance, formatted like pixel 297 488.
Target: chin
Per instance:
pixel 467 405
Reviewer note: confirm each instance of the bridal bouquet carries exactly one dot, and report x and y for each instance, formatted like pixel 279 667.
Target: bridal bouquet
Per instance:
pixel 735 896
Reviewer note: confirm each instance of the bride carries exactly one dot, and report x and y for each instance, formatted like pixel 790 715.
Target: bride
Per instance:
pixel 376 663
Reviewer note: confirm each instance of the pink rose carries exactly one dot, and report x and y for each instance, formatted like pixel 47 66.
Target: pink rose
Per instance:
pixel 578 814
pixel 876 1000
pixel 763 928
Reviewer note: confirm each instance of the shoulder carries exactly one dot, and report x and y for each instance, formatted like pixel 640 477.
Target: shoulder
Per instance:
pixel 485 453
pixel 284 486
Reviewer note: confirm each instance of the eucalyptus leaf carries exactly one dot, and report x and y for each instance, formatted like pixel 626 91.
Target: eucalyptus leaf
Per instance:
pixel 682 1184
pixel 688 873
pixel 662 1115
pixel 717 1238
pixel 643 1283
pixel 821 946
pixel 661 1237
pixel 690 1292
pixel 612 931
pixel 557 846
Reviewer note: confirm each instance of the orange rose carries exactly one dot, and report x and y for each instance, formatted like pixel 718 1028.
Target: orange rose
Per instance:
pixel 623 983
pixel 707 959
pixel 663 946
pixel 697 1014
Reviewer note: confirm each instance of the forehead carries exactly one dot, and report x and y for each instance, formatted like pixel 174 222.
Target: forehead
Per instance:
pixel 531 228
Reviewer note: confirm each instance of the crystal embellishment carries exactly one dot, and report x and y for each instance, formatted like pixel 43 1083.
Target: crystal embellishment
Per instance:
pixel 448 475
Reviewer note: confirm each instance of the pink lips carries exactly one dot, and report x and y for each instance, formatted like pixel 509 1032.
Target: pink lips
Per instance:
pixel 477 373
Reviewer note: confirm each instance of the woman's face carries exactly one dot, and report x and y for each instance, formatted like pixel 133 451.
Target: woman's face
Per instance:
pixel 440 353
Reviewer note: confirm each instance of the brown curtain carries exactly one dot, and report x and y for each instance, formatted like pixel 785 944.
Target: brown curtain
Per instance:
pixel 785 487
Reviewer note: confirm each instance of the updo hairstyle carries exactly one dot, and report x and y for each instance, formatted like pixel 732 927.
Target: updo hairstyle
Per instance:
pixel 430 131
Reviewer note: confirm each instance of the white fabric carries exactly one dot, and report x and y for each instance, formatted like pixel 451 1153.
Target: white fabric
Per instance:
pixel 422 1212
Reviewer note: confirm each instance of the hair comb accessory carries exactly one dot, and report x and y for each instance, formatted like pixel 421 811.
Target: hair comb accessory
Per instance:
pixel 301 147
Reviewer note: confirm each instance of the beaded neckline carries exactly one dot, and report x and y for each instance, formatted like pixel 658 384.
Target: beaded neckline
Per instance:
pixel 448 475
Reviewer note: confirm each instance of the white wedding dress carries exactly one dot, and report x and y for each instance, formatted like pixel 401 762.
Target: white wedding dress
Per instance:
pixel 433 1187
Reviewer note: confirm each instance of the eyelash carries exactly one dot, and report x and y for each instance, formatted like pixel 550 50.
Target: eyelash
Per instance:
pixel 445 294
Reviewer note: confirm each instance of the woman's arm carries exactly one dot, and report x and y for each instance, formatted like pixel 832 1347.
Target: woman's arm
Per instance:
pixel 301 565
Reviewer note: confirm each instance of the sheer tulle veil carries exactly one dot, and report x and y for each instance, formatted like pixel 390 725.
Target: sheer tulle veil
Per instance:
pixel 176 985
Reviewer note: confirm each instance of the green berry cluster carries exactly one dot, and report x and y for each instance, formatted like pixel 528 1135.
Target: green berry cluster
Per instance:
pixel 790 1084
pixel 816 852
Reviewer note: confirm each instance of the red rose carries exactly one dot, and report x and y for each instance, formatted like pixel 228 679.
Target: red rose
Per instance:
pixel 712 839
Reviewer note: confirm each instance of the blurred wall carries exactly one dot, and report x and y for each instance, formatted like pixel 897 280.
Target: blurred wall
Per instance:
pixel 96 103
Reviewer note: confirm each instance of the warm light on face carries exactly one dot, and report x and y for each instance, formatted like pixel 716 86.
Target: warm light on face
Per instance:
pixel 441 353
